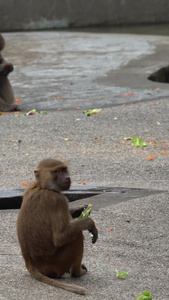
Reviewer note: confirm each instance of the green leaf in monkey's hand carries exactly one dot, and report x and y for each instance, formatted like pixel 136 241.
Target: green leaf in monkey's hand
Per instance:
pixel 86 212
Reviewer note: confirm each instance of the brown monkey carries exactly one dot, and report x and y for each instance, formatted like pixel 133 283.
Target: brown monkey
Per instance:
pixel 51 241
pixel 6 92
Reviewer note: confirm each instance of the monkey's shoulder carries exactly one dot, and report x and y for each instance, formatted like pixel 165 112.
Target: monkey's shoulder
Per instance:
pixel 32 189
pixel 36 195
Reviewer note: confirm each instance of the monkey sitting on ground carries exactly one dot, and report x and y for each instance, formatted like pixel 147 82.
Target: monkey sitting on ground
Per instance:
pixel 51 241
pixel 6 92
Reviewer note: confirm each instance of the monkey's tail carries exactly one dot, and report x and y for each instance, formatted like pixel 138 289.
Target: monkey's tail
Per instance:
pixel 36 274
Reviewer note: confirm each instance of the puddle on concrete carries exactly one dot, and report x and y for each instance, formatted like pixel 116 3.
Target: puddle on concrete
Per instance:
pixel 12 199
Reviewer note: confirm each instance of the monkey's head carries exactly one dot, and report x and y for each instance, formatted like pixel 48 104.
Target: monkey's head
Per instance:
pixel 53 174
pixel 2 42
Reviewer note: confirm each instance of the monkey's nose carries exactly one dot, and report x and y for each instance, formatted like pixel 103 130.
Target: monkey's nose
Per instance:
pixel 67 183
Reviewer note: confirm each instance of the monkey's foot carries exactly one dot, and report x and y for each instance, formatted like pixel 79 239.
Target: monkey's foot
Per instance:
pixel 77 272
pixel 84 268
pixel 4 107
pixel 14 107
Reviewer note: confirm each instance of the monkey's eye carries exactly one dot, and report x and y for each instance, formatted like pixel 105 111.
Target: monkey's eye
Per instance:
pixel 64 170
pixel 56 171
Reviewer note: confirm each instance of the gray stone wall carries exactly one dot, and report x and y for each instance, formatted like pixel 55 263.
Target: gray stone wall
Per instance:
pixel 48 14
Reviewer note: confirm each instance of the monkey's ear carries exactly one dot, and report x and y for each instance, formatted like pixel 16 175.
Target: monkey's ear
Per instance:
pixel 37 175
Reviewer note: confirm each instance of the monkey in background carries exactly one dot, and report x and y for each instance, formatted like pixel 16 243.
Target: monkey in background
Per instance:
pixel 6 92
pixel 51 241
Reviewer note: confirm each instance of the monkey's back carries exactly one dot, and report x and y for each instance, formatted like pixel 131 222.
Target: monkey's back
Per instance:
pixel 6 91
pixel 39 210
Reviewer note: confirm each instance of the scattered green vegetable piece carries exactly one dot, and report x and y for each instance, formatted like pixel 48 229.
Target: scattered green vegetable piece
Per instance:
pixel 121 275
pixel 43 112
pixel 127 138
pixel 92 111
pixel 138 142
pixel 0 112
pixel 34 112
pixel 86 212
pixel 145 296
pixel 31 112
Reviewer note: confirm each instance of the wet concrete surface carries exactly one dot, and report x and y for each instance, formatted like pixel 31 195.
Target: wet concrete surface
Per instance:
pixel 69 70
pixel 135 74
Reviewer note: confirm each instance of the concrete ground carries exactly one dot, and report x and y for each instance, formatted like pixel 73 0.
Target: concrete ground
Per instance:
pixel 63 74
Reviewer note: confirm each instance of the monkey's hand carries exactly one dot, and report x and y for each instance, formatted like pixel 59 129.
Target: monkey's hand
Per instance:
pixel 5 69
pixel 76 212
pixel 94 232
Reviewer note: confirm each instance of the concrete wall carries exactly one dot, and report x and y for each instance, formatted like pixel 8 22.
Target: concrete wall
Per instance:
pixel 44 14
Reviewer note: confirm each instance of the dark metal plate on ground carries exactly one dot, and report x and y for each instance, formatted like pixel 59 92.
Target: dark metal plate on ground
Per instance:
pixel 100 197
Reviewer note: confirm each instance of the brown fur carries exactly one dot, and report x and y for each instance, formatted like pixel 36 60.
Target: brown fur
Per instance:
pixel 6 92
pixel 51 241
pixel 2 42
